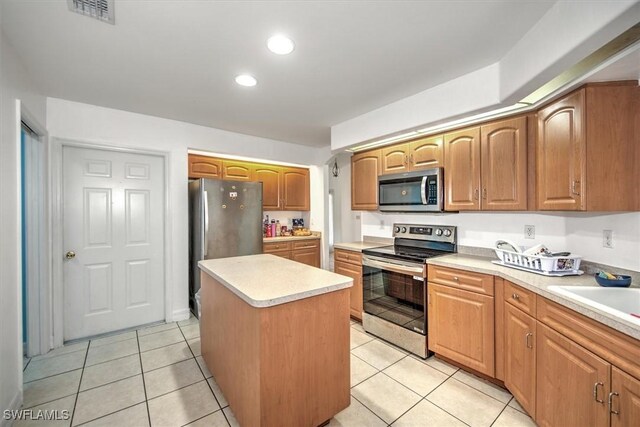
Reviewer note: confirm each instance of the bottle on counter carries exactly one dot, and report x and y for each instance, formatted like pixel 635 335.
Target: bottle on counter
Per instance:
pixel 273 228
pixel 278 228
pixel 265 226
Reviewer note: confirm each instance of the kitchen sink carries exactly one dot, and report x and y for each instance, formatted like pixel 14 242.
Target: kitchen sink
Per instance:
pixel 620 302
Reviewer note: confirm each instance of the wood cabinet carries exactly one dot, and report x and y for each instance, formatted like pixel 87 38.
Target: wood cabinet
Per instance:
pixel 204 167
pixel 625 399
pixel 486 167
pixel 587 150
pixel 306 251
pixel 365 168
pixel 462 170
pixel 520 357
pixel 349 263
pixel 572 384
pixel 415 155
pixel 283 188
pixel 295 189
pixel 461 327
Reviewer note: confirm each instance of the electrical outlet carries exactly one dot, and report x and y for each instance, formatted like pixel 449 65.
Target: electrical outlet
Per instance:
pixel 382 224
pixel 607 238
pixel 529 231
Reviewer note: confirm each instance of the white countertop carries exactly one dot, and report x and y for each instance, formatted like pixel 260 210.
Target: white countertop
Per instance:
pixel 267 280
pixel 358 246
pixel 540 285
pixel 289 238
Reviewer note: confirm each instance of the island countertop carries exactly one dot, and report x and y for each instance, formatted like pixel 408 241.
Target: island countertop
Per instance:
pixel 266 280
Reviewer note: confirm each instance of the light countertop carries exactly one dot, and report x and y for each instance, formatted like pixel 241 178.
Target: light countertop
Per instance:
pixel 267 280
pixel 540 285
pixel 289 238
pixel 358 246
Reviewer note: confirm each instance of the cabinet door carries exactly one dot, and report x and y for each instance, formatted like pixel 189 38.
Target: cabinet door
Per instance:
pixel 355 272
pixel 204 167
pixel 504 165
pixel 295 189
pixel 365 168
pixel 307 256
pixel 566 381
pixel 271 179
pixel 234 170
pixel 395 159
pixel 462 170
pixel 560 154
pixel 520 357
pixel 625 405
pixel 426 153
pixel 461 327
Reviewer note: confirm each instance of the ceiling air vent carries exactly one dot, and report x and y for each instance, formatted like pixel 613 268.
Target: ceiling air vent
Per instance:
pixel 102 10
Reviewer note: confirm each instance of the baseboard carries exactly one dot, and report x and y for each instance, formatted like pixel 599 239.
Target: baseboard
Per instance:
pixel 182 314
pixel 16 403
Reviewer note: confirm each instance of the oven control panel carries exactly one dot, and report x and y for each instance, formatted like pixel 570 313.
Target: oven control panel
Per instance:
pixel 435 233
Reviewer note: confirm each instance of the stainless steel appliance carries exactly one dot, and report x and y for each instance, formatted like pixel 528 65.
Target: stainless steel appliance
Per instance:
pixel 394 284
pixel 225 219
pixel 419 191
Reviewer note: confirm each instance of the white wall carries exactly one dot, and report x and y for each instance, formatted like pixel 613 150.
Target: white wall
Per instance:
pixel 14 85
pixel 346 222
pixel 568 32
pixel 88 123
pixel 580 233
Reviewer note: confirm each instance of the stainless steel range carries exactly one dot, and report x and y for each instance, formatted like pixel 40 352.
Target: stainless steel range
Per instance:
pixel 394 284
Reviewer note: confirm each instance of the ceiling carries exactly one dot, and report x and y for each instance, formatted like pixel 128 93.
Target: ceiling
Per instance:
pixel 178 59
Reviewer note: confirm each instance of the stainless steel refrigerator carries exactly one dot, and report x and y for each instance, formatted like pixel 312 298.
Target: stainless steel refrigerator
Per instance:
pixel 225 220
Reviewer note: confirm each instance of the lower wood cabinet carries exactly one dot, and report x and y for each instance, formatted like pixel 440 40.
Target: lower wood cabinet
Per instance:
pixel 349 263
pixel 520 357
pixel 305 251
pixel 461 327
pixel 624 401
pixel 572 384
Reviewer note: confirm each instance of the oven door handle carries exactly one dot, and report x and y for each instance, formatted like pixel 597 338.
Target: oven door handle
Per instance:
pixel 392 267
pixel 423 190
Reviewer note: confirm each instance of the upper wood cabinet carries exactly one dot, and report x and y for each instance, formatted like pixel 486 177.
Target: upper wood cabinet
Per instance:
pixel 419 154
pixel 295 189
pixel 236 170
pixel 204 167
pixel 503 165
pixel 271 178
pixel 462 170
pixel 587 151
pixel 365 168
pixel 283 188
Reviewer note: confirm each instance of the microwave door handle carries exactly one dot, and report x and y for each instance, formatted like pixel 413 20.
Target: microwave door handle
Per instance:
pixel 423 190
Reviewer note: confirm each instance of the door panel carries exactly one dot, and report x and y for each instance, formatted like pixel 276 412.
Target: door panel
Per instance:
pixel 627 400
pixel 365 168
pixel 520 357
pixel 236 171
pixel 426 153
pixel 296 189
pixel 271 179
pixel 116 279
pixel 395 159
pixel 462 170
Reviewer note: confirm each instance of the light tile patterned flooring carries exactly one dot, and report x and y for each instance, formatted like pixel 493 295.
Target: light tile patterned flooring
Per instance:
pixel 156 376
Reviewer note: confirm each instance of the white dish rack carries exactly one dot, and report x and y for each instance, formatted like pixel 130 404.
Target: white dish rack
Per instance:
pixel 545 265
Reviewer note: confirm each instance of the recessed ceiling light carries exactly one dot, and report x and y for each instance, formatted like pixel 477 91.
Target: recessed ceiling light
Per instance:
pixel 280 45
pixel 246 80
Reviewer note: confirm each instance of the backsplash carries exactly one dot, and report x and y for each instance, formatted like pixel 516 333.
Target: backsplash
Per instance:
pixel 579 233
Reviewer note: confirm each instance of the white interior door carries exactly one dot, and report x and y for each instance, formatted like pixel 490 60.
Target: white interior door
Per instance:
pixel 113 240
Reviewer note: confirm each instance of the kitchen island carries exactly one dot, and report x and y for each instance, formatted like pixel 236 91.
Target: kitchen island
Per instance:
pixel 275 336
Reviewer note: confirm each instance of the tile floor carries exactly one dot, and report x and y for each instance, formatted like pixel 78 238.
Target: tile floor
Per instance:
pixel 156 376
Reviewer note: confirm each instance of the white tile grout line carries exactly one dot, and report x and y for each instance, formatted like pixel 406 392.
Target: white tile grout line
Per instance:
pixel 144 385
pixel 75 403
pixel 367 408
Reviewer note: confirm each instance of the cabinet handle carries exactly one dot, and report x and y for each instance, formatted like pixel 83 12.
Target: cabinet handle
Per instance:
pixel 411 160
pixel 516 297
pixel 595 392
pixel 456 278
pixel 526 340
pixel 476 194
pixel 406 159
pixel 484 193
pixel 574 188
pixel 613 393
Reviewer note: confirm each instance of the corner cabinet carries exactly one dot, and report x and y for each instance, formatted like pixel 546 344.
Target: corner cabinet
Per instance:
pixel 365 168
pixel 587 151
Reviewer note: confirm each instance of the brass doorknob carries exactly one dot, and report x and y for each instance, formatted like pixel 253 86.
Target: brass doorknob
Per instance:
pixel 70 255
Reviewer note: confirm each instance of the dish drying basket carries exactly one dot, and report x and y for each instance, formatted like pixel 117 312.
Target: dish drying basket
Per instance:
pixel 546 265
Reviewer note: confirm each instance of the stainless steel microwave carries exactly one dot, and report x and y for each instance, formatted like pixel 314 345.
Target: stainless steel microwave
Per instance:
pixel 419 191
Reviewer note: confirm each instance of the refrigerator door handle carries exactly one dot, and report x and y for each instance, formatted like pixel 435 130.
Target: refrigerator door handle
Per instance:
pixel 205 243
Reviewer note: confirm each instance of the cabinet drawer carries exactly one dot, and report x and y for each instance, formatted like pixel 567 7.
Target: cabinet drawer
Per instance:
pixel 461 279
pixel 348 256
pixel 306 244
pixel 273 247
pixel 521 298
